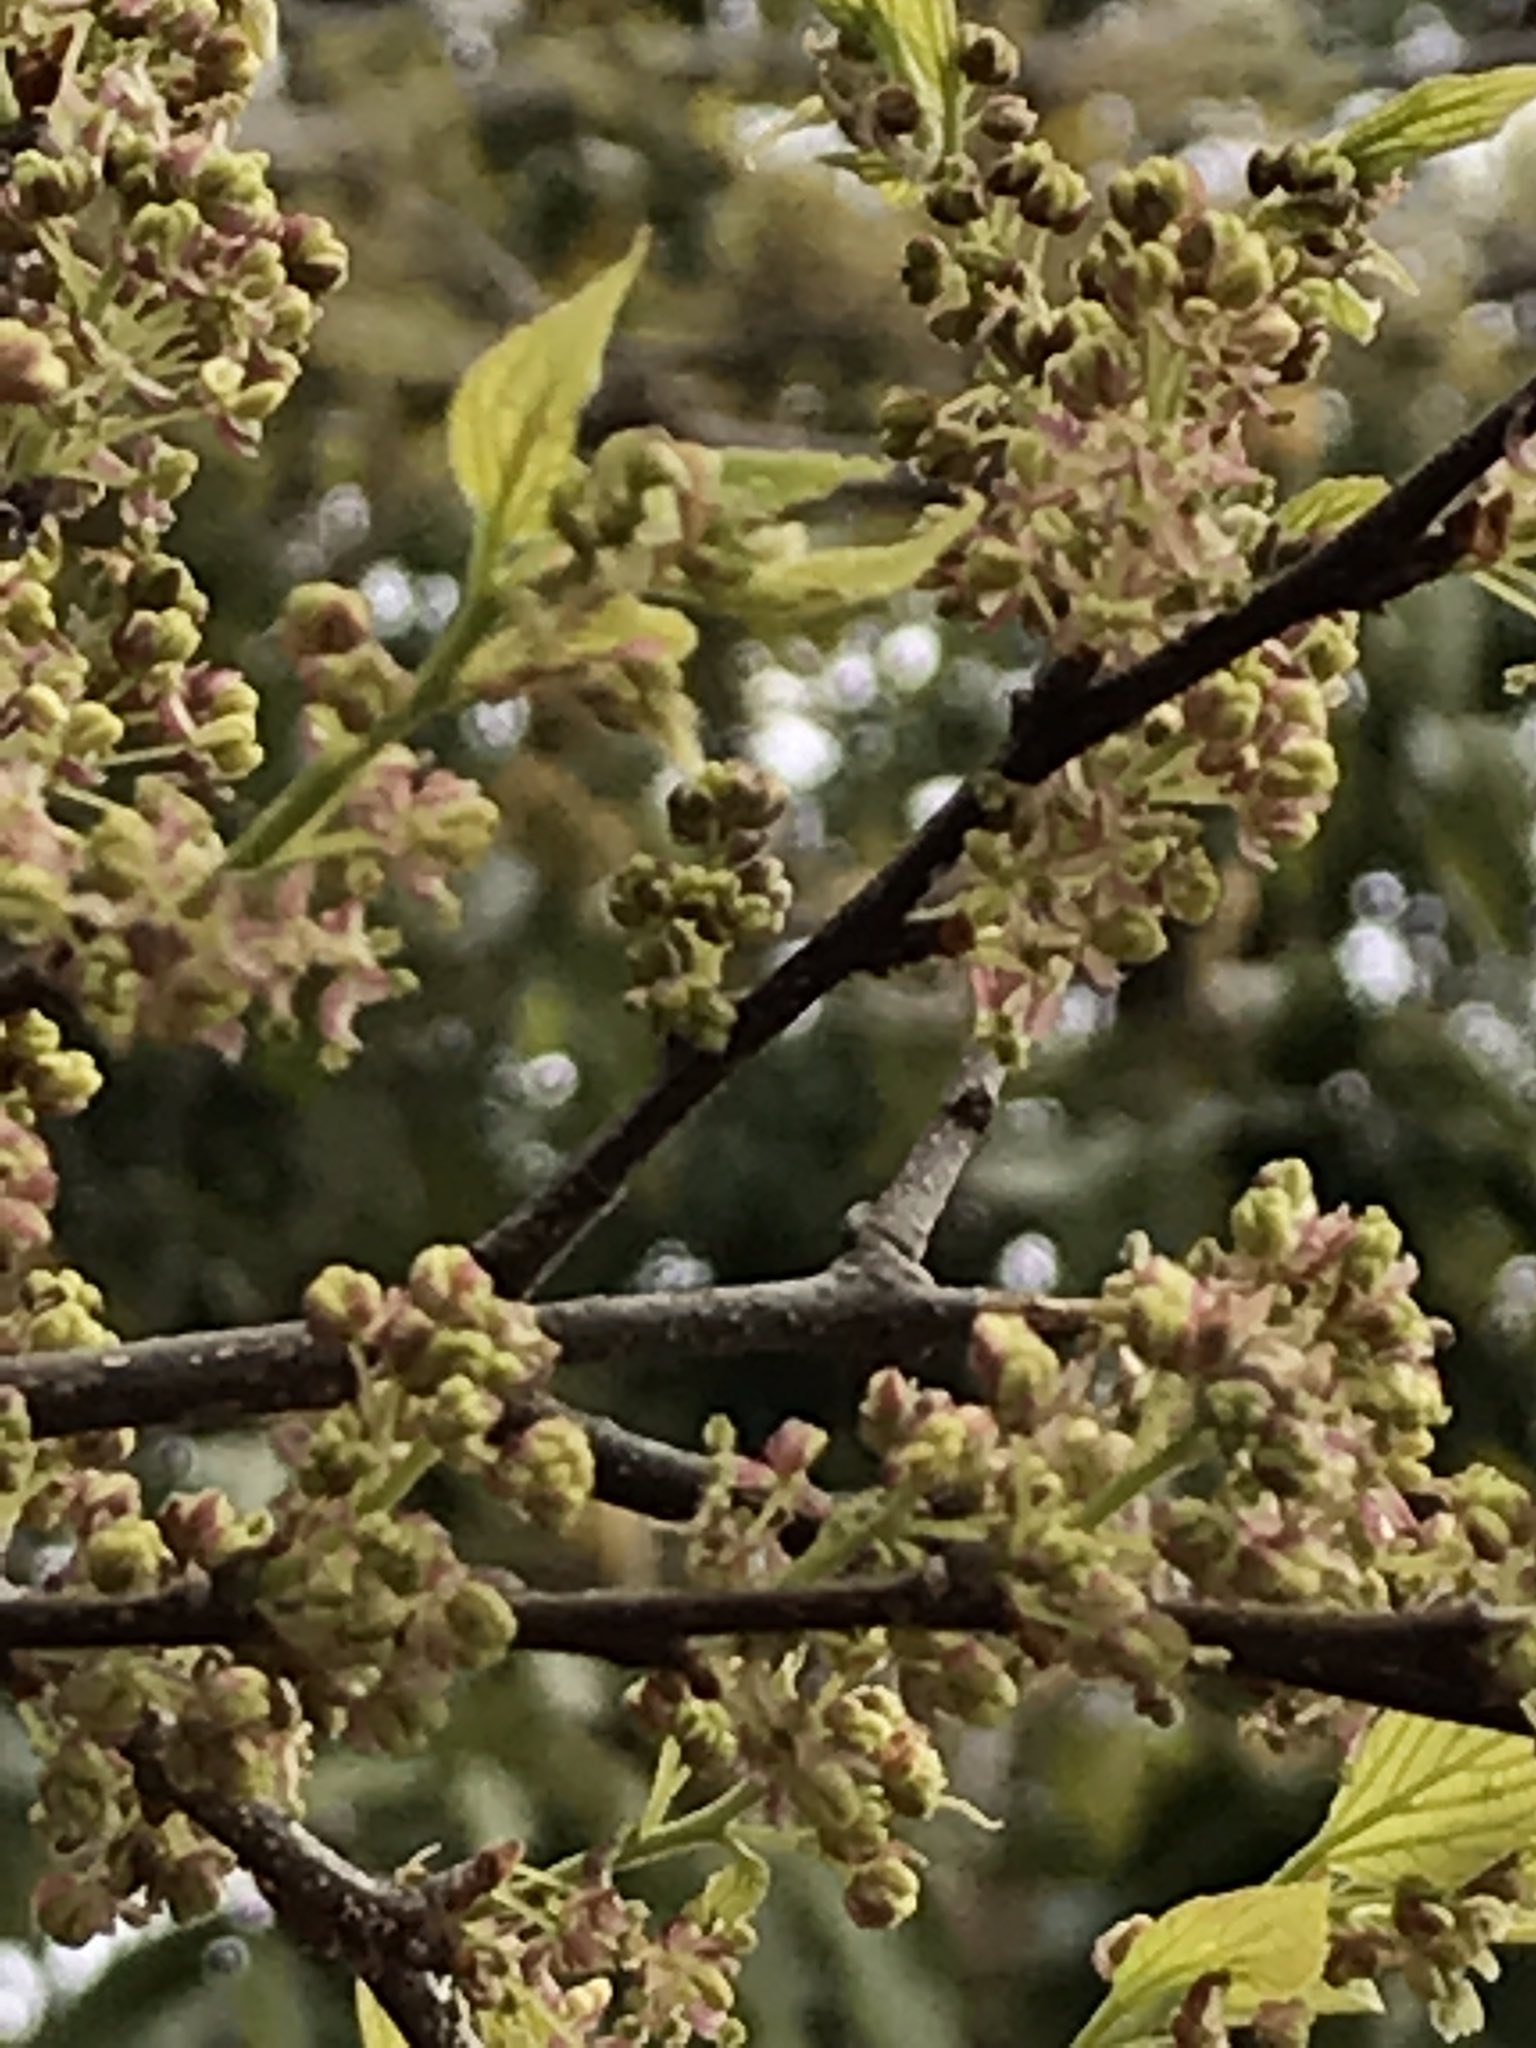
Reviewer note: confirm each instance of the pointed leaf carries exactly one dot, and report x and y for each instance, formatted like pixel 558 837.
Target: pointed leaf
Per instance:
pixel 1269 1942
pixel 1428 1799
pixel 835 581
pixel 512 424
pixel 766 481
pixel 621 626
pixel 1331 502
pixel 375 2027
pixel 1436 115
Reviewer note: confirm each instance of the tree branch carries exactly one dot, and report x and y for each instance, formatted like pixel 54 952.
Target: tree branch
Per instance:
pixel 1375 558
pixel 215 1377
pixel 1439 1662
pixel 388 1935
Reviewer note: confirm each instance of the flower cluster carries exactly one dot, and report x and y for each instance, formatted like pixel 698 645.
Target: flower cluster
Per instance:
pixel 230 1723
pixel 1437 1941
pixel 115 1857
pixel 1302 1361
pixel 686 918
pixel 442 1362
pixel 378 1617
pixel 1104 428
pixel 839 1759
pixel 151 280
pixel 564 1954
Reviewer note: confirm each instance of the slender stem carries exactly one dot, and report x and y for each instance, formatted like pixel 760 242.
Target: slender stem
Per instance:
pixel 842 1541
pixel 703 1828
pixel 1109 1500
pixel 396 1485
pixel 319 788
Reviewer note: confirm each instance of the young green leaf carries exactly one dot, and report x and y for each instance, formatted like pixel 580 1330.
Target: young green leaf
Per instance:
pixel 1427 1799
pixel 1436 115
pixel 512 424
pixel 766 481
pixel 1268 1942
pixel 1331 502
pixel 622 627
pixel 812 589
pixel 374 2026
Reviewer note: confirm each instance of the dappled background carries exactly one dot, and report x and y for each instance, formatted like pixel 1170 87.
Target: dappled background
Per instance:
pixel 1371 1007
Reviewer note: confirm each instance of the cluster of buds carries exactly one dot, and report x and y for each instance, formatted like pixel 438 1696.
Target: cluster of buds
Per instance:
pixel 151 274
pixel 227 1724
pixel 29 1187
pixel 1083 875
pixel 150 278
pixel 1302 1361
pixel 154 936
pixel 1105 427
pixel 54 1308
pixel 442 1360
pixel 328 635
pixel 841 1759
pixel 378 1617
pixel 39 1076
pixel 1025 1477
pixel 1437 1941
pixel 686 918
pixel 121 688
pixel 574 1960
pixel 114 1856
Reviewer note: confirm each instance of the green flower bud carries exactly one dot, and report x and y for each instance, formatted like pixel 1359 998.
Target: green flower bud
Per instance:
pixel 1131 935
pixel 1295 1178
pixel 1018 1371
pixel 31 370
pixel 1308 767
pixel 1371 1253
pixel 1152 195
pixel 1265 1224
pixel 955 197
pixel 127 1556
pixel 883 1892
pixel 1191 887
pixel 1008 117
pixel 447 1283
pixel 314 255
pixel 92 729
pixel 482 1623
pixel 341 1302
pixel 1158 1308
pixel 987 57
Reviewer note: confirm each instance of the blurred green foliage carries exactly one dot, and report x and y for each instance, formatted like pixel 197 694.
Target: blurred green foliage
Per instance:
pixel 1371 1007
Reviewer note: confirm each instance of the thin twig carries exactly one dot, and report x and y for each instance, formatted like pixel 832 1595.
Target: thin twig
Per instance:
pixel 905 1217
pixel 1376 557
